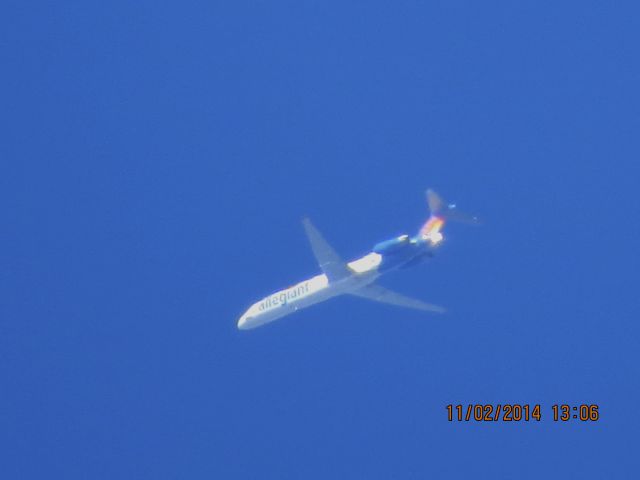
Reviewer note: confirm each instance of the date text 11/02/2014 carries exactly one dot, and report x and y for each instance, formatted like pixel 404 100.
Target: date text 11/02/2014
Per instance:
pixel 516 412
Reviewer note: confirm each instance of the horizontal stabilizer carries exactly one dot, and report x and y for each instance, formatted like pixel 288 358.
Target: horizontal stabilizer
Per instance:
pixel 439 208
pixel 330 262
pixel 380 294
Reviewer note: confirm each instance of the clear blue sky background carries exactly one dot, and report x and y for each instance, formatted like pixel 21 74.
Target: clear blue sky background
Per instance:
pixel 157 159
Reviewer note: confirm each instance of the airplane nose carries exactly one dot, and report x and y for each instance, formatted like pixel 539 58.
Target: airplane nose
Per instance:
pixel 242 323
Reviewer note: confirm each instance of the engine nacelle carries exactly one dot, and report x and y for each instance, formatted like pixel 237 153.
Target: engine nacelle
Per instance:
pixel 391 246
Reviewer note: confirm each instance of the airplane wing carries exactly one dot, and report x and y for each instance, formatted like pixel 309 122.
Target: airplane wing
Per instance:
pixel 330 262
pixel 380 294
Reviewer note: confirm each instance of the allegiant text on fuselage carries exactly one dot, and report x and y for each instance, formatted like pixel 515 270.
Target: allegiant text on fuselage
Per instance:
pixel 284 297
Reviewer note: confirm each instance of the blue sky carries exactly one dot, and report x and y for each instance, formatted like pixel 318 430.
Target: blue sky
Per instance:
pixel 158 158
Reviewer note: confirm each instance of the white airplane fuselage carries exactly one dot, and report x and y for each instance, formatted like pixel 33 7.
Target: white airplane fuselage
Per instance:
pixel 357 277
pixel 309 292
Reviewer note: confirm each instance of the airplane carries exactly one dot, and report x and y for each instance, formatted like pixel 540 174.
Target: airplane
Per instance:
pixel 358 277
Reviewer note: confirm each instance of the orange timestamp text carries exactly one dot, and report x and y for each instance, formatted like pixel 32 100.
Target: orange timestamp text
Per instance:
pixel 520 412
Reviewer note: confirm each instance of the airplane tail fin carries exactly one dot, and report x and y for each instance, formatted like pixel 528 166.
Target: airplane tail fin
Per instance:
pixel 441 212
pixel 439 208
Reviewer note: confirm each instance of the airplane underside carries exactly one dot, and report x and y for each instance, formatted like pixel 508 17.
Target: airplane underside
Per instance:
pixel 357 278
